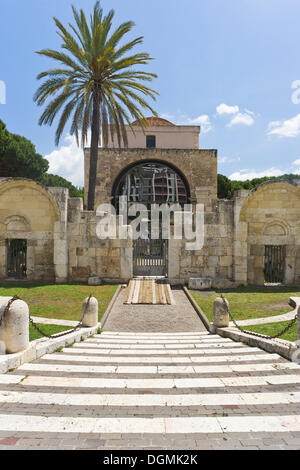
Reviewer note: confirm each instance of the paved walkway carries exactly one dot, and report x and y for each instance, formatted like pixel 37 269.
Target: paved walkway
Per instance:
pixel 54 321
pixel 189 390
pixel 273 319
pixel 154 318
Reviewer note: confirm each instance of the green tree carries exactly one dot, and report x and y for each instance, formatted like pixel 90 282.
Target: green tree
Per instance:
pixel 47 179
pixel 98 87
pixel 18 156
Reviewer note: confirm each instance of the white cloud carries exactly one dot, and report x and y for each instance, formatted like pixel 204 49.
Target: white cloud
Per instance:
pixel 203 121
pixel 296 162
pixel 182 119
pixel 226 109
pixel 67 161
pixel 228 160
pixel 247 174
pixel 288 128
pixel 245 119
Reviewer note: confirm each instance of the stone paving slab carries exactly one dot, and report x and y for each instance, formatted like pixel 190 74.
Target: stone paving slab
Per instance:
pixel 154 318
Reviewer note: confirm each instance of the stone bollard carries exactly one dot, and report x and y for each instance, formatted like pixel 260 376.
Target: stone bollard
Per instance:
pixel 14 325
pixel 220 314
pixel 90 312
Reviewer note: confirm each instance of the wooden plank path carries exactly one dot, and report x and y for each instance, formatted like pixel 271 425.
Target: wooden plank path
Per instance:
pixel 149 291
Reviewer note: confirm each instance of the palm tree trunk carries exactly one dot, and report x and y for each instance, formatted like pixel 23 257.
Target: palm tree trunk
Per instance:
pixel 95 134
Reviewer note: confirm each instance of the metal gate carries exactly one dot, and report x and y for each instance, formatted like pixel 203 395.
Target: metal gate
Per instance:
pixel 150 257
pixel 274 263
pixel 16 250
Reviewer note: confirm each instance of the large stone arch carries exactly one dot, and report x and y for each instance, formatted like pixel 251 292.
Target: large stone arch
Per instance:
pixel 268 215
pixel 28 211
pixel 199 168
pixel 126 170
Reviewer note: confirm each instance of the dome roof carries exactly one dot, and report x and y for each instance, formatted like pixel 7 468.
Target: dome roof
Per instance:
pixel 155 121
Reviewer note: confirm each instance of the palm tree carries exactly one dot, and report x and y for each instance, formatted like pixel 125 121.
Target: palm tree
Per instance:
pixel 97 86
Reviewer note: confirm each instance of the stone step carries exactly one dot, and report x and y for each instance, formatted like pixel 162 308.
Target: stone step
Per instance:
pixel 89 347
pixel 74 355
pixel 155 369
pixel 149 384
pixel 130 425
pixel 156 334
pixel 156 386
pixel 149 400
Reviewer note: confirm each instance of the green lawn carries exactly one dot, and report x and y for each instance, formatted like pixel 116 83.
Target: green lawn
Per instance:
pixel 253 302
pixel 48 329
pixel 274 328
pixel 62 301
pixel 249 302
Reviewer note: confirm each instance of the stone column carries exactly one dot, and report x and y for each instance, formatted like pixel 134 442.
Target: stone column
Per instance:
pixel 220 313
pixel 90 312
pixel 60 235
pixel 174 247
pixel 240 237
pixel 14 325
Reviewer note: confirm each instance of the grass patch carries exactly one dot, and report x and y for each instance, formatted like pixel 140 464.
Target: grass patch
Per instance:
pixel 62 301
pixel 249 302
pixel 274 328
pixel 48 329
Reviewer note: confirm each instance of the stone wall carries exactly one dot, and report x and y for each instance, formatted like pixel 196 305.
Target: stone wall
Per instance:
pixel 28 211
pixel 110 259
pixel 215 259
pixel 270 215
pixel 199 168
pixel 62 243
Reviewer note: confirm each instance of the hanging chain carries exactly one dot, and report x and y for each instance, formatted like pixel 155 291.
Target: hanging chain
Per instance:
pixel 58 335
pixel 6 310
pixel 282 332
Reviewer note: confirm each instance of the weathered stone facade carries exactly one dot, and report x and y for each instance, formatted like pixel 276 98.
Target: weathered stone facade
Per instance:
pixel 62 244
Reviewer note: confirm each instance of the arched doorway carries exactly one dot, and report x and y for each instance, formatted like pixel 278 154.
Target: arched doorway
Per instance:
pixel 148 183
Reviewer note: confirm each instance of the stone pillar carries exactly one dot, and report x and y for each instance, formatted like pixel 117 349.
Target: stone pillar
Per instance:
pixel 174 248
pixel 220 314
pixel 60 253
pixel 61 196
pixel 14 326
pixel 240 239
pixel 90 312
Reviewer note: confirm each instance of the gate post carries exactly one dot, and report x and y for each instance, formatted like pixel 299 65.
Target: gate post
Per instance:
pixel 14 325
pixel 220 313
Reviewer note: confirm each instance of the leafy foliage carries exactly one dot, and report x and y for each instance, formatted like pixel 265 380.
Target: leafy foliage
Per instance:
pixel 18 156
pixel 47 179
pixel 226 187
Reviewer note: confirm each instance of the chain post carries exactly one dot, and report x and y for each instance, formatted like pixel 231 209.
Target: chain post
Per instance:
pixel 259 335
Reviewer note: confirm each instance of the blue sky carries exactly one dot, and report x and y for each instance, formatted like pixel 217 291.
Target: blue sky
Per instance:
pixel 227 65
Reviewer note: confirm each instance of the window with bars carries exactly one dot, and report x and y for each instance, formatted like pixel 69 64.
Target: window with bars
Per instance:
pixel 16 258
pixel 274 261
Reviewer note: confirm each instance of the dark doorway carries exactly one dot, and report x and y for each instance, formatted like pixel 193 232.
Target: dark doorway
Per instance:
pixel 274 263
pixel 16 250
